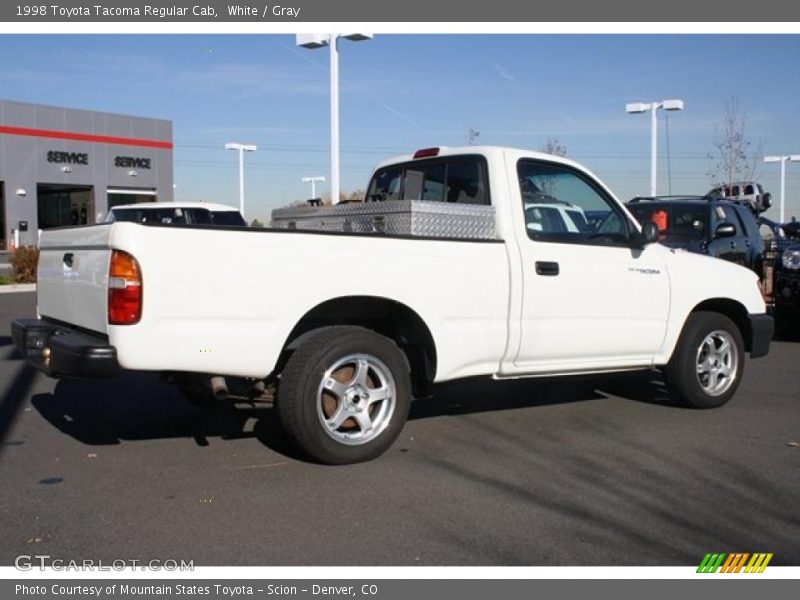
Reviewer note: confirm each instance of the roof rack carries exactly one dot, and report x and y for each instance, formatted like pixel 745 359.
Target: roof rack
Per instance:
pixel 673 197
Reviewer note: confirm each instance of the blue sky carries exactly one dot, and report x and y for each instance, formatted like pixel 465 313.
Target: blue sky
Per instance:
pixel 401 92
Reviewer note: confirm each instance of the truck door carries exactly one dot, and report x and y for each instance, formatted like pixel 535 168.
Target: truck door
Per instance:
pixel 589 299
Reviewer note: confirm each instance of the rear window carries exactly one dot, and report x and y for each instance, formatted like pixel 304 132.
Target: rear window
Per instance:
pixel 676 223
pixel 460 179
pixel 165 216
pixel 149 215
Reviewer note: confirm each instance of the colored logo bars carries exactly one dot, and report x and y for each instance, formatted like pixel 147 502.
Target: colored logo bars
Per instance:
pixel 735 562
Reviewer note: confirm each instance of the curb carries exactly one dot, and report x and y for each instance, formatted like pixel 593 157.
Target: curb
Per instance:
pixel 17 287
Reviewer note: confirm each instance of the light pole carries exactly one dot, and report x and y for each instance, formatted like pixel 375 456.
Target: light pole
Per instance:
pixel 242 148
pixel 640 107
pixel 783 160
pixel 320 40
pixel 313 181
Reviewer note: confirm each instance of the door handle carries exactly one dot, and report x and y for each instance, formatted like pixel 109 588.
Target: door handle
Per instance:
pixel 546 268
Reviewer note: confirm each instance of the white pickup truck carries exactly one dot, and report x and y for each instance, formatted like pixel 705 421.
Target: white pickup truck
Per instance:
pixel 349 326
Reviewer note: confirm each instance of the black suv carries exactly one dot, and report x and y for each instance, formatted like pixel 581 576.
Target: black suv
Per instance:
pixel 705 225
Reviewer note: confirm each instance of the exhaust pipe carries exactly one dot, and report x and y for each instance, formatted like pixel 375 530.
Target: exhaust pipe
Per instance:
pixel 219 388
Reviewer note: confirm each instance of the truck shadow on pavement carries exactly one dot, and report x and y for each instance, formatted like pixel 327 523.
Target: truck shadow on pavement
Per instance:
pixel 478 395
pixel 140 406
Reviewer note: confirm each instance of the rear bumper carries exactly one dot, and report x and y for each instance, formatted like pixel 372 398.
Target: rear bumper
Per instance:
pixel 762 328
pixel 60 351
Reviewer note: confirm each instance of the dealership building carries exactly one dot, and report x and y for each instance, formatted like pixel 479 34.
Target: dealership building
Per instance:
pixel 60 166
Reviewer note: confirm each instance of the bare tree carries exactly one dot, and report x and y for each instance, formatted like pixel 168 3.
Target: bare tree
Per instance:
pixel 555 147
pixel 356 195
pixel 734 157
pixel 472 136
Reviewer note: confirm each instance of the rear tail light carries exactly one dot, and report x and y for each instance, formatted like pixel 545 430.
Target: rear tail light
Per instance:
pixel 124 289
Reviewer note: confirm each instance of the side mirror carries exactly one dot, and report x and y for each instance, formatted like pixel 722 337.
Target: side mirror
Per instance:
pixel 724 230
pixel 648 235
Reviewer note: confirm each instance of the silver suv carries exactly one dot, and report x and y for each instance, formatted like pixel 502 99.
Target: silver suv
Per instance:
pixel 749 193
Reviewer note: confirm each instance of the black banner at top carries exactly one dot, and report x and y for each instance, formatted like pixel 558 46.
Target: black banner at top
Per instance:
pixel 443 11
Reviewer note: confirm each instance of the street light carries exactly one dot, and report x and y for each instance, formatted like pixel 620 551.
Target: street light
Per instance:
pixel 783 160
pixel 242 148
pixel 640 107
pixel 313 181
pixel 313 41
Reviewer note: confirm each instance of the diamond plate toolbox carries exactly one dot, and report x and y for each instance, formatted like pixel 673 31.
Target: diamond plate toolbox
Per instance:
pixel 393 217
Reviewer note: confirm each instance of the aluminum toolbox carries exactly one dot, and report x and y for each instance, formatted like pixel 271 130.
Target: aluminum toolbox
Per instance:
pixel 393 217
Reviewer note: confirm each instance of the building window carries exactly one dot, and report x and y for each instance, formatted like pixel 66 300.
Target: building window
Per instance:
pixel 64 205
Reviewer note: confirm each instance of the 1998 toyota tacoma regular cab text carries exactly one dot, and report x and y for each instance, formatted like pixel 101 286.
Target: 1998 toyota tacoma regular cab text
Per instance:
pixel 460 264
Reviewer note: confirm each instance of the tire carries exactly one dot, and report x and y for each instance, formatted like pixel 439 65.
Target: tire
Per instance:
pixel 325 400
pixel 707 364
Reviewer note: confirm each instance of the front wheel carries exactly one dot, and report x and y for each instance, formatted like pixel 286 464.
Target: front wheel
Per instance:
pixel 707 364
pixel 344 394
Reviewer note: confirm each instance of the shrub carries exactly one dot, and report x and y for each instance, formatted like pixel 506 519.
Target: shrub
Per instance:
pixel 24 261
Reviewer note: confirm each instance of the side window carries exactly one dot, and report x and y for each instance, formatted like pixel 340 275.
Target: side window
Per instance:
pixel 563 205
pixel 749 189
pixel 199 216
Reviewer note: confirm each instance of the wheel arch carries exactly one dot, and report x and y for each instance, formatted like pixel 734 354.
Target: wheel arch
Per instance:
pixel 732 309
pixel 384 316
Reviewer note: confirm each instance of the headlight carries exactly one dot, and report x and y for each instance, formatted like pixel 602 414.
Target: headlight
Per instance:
pixel 791 258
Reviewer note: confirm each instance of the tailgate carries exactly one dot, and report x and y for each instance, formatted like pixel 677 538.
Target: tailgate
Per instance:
pixel 73 276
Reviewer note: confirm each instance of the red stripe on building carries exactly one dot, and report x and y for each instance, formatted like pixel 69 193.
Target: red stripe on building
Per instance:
pixel 84 137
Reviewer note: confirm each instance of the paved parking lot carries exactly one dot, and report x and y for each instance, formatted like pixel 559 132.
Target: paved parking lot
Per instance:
pixel 594 471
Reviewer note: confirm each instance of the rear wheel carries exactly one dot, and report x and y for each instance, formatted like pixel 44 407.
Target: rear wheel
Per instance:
pixel 706 367
pixel 344 395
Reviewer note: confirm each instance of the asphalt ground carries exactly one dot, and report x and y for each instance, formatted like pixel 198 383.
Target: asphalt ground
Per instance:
pixel 604 470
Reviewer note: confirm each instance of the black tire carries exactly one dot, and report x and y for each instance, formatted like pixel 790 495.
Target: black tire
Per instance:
pixel 351 361
pixel 700 348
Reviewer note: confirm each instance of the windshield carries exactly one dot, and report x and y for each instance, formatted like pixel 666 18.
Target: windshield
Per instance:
pixel 676 223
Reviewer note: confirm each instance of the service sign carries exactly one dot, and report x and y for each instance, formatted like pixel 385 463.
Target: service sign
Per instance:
pixel 69 158
pixel 132 162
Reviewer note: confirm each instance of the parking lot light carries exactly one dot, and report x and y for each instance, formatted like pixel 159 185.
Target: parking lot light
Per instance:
pixel 319 40
pixel 640 107
pixel 241 148
pixel 783 160
pixel 313 181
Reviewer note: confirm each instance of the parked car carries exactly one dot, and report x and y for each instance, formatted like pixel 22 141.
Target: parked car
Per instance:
pixel 351 325
pixel 749 193
pixel 787 290
pixel 555 216
pixel 176 213
pixel 704 225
